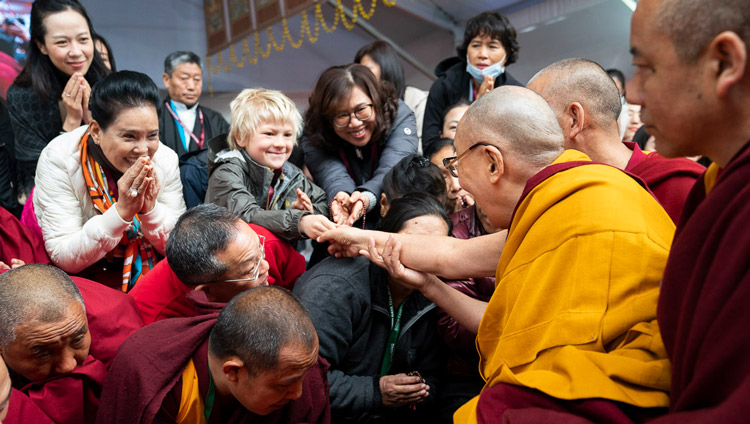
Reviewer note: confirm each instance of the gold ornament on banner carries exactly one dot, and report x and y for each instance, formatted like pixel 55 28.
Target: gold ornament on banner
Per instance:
pixel 312 34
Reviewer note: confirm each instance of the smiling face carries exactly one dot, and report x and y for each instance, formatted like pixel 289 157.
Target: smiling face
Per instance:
pixel 673 102
pixel 46 349
pixel 271 144
pixel 357 133
pixel 242 256
pixel 270 390
pixel 185 84
pixel 484 51
pixel 132 134
pixel 67 42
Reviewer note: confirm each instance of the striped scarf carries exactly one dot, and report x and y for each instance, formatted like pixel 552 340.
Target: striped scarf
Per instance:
pixel 137 253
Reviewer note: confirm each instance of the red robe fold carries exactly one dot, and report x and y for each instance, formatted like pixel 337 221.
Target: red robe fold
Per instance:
pixel 18 242
pixel 704 306
pixel 151 362
pixel 669 179
pixel 160 294
pixel 22 410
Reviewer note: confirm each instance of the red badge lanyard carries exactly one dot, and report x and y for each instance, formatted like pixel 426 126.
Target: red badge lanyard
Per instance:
pixel 177 118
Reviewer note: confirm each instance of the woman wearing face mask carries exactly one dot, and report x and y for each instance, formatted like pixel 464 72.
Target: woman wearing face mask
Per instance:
pixel 489 46
pixel 109 193
pixel 356 130
pixel 51 94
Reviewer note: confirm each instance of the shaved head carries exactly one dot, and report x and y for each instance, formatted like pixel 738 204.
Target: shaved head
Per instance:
pixel 518 121
pixel 256 325
pixel 692 24
pixel 582 81
pixel 34 292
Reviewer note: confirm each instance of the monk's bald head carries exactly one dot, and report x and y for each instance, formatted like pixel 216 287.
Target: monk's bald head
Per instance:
pixel 583 81
pixel 34 292
pixel 518 121
pixel 693 24
pixel 256 325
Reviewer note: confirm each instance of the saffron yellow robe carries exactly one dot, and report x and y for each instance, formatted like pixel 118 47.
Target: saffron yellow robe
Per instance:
pixel 573 314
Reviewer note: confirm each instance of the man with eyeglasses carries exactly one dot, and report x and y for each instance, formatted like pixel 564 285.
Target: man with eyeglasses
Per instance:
pixel 573 315
pixel 213 252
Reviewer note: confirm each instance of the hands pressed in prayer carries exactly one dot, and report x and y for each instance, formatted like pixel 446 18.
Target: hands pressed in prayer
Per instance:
pixel 138 188
pixel 303 202
pixel 340 208
pixel 402 390
pixel 487 85
pixel 75 97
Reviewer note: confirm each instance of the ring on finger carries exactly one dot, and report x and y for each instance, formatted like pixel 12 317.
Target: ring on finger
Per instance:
pixel 133 192
pixel 66 94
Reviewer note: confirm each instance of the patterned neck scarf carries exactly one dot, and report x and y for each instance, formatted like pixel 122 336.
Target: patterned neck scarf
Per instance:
pixel 137 253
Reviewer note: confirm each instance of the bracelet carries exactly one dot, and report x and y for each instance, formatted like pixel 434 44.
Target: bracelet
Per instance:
pixel 364 212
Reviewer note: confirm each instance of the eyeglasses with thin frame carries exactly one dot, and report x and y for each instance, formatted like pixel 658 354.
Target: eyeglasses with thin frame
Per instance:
pixel 256 269
pixel 361 112
pixel 451 163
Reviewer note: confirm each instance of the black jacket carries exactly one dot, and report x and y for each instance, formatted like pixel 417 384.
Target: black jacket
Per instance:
pixel 194 161
pixel 348 302
pixel 451 86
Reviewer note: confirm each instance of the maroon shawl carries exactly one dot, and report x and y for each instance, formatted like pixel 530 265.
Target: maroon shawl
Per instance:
pixel 21 410
pixel 18 242
pixel 151 362
pixel 704 306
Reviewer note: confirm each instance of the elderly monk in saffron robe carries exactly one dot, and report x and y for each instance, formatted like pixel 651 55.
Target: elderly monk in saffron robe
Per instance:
pixel 587 104
pixel 692 81
pixel 570 330
pixel 255 362
pixel 58 336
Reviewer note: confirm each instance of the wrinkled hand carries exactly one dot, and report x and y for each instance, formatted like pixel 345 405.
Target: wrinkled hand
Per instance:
pixel 487 85
pixel 402 390
pixel 76 92
pixel 141 177
pixel 340 208
pixel 390 259
pixel 345 242
pixel 315 225
pixel 303 202
pixel 358 205
pixel 14 263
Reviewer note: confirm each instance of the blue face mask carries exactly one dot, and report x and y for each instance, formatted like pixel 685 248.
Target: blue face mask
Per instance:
pixel 478 74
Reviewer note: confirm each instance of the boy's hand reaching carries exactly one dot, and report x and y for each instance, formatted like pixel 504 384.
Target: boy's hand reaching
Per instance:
pixel 303 202
pixel 315 225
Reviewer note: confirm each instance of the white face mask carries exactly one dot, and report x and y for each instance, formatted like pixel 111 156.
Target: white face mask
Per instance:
pixel 494 70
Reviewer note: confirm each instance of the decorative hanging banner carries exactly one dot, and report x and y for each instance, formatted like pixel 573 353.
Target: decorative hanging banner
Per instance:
pixel 240 19
pixel 216 27
pixel 271 11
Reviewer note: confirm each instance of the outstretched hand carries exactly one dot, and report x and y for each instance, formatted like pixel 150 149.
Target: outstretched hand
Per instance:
pixel 345 241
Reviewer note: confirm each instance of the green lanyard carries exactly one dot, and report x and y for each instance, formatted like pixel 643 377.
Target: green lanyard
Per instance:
pixel 395 329
pixel 210 397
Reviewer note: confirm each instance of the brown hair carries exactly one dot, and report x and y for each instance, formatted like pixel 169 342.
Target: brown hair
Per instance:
pixel 332 90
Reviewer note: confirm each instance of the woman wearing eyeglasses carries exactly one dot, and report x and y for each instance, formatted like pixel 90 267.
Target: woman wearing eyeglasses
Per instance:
pixel 356 130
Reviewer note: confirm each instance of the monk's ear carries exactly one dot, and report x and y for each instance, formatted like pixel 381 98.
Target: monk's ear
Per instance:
pixel 383 205
pixel 495 163
pixel 232 368
pixel 576 120
pixel 728 57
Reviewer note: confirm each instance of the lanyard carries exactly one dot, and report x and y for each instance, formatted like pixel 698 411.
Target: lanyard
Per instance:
pixel 373 160
pixel 395 329
pixel 472 91
pixel 184 141
pixel 210 397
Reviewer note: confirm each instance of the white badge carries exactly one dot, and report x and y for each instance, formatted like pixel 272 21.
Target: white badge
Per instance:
pixel 407 131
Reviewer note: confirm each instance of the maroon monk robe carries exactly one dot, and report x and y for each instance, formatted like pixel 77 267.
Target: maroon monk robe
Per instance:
pixel 704 305
pixel 18 242
pixel 22 410
pixel 669 179
pixel 150 363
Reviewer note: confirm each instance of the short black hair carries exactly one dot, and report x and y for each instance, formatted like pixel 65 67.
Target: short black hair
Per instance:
pixel 175 59
pixel 390 66
pixel 438 146
pixel 119 91
pixel 199 234
pixel 498 27
pixel 414 173
pixel 257 324
pixel 413 205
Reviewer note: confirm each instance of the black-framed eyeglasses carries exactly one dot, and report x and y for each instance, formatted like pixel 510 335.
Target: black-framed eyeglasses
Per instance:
pixel 256 270
pixel 361 112
pixel 451 162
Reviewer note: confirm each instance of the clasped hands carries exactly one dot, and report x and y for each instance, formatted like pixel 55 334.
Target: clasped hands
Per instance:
pixel 138 188
pixel 346 209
